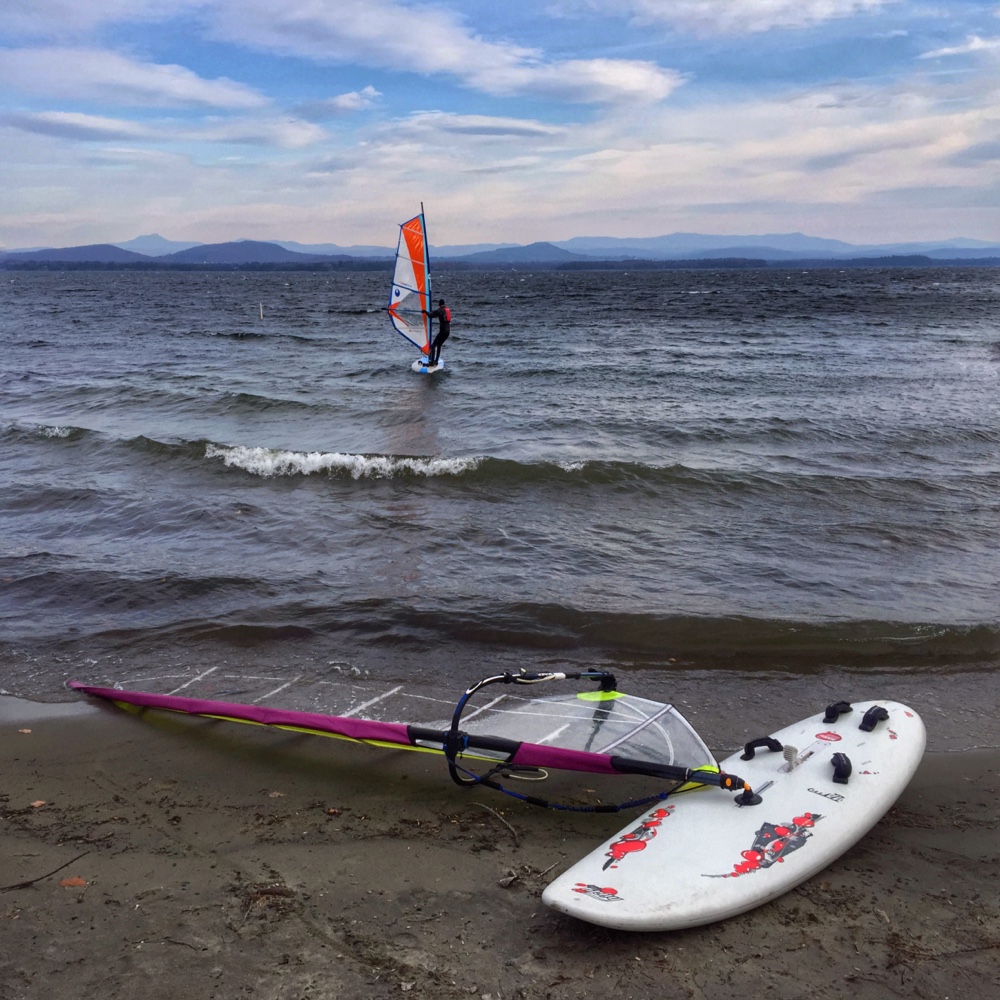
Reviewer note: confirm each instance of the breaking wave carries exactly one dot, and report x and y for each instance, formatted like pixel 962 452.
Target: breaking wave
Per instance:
pixel 269 462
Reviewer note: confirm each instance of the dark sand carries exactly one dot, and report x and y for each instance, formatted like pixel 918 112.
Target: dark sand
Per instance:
pixel 223 861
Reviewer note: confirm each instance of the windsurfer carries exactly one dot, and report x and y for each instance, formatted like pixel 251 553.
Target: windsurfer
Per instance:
pixel 443 315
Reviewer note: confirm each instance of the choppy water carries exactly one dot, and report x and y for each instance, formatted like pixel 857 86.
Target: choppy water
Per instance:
pixel 744 486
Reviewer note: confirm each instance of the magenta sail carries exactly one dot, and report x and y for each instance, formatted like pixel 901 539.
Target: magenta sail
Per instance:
pixel 399 734
pixel 598 732
pixel 362 730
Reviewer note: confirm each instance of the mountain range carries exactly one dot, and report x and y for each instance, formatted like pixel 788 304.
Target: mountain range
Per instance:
pixel 774 248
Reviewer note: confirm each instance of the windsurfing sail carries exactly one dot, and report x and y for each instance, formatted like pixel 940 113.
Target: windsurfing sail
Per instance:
pixel 603 732
pixel 410 295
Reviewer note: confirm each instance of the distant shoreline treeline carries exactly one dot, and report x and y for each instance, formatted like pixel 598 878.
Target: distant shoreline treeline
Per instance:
pixel 365 264
pixel 6 264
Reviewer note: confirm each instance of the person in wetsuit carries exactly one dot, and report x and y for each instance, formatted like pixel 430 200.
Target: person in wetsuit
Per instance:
pixel 443 315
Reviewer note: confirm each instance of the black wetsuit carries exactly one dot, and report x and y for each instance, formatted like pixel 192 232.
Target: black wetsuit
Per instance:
pixel 443 316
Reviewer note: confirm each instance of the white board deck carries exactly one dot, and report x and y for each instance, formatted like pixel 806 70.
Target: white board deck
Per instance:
pixel 699 857
pixel 420 365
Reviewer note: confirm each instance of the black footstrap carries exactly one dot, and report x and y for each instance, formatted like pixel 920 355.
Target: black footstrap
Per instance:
pixel 841 768
pixel 761 743
pixel 873 717
pixel 836 710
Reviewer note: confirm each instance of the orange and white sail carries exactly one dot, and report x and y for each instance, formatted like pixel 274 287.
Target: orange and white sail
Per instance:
pixel 410 295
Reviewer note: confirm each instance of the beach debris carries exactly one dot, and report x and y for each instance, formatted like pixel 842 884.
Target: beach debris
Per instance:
pixel 38 803
pixel 522 874
pixel 502 820
pixel 27 732
pixel 265 899
pixel 341 667
pixel 74 882
pixel 31 881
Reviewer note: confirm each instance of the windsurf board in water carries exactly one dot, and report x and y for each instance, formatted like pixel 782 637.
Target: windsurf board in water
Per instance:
pixel 701 856
pixel 420 365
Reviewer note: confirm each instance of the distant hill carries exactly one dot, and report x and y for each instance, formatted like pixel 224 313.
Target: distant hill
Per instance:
pixel 241 252
pixel 335 250
pixel 676 250
pixel 755 252
pixel 99 253
pixel 154 245
pixel 773 246
pixel 532 253
pixel 692 246
pixel 962 253
pixel 364 250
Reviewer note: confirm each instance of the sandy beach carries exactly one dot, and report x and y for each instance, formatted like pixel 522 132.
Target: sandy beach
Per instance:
pixel 161 857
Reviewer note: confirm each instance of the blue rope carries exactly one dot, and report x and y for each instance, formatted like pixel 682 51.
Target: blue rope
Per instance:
pixel 559 806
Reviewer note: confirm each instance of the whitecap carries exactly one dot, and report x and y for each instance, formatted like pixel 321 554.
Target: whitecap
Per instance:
pixel 269 462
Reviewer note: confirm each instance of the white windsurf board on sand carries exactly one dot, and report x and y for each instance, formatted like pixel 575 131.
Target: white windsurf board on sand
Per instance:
pixel 700 856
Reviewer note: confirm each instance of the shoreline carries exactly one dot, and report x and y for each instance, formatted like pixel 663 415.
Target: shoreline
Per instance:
pixel 216 860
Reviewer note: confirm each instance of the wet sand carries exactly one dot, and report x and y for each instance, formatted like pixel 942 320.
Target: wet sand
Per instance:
pixel 207 860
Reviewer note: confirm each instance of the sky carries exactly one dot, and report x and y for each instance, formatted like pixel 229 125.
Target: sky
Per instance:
pixel 330 121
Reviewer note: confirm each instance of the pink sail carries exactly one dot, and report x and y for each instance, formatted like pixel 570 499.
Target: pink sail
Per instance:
pixel 600 732
pixel 394 734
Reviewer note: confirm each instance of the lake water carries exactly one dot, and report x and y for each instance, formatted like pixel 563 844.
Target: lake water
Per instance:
pixel 742 491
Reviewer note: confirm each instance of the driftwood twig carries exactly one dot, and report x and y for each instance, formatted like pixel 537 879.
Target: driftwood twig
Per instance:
pixel 502 820
pixel 32 881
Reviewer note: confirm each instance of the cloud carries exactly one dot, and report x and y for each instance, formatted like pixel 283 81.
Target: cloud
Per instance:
pixel 978 154
pixel 590 81
pixel 342 104
pixel 98 74
pixel 972 44
pixel 387 34
pixel 71 125
pixel 215 158
pixel 431 41
pixel 480 125
pixel 433 150
pixel 285 133
pixel 356 100
pixel 738 16
pixel 753 163
pixel 72 18
pixel 281 133
pixel 438 144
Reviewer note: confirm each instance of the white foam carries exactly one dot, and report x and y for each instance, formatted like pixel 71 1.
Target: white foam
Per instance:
pixel 268 462
pixel 55 432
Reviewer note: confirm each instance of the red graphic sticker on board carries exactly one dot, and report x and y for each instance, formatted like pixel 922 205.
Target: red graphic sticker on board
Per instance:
pixel 829 737
pixel 604 893
pixel 637 839
pixel 773 843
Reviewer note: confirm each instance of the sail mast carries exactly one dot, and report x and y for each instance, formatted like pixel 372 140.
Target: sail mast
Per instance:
pixel 427 261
